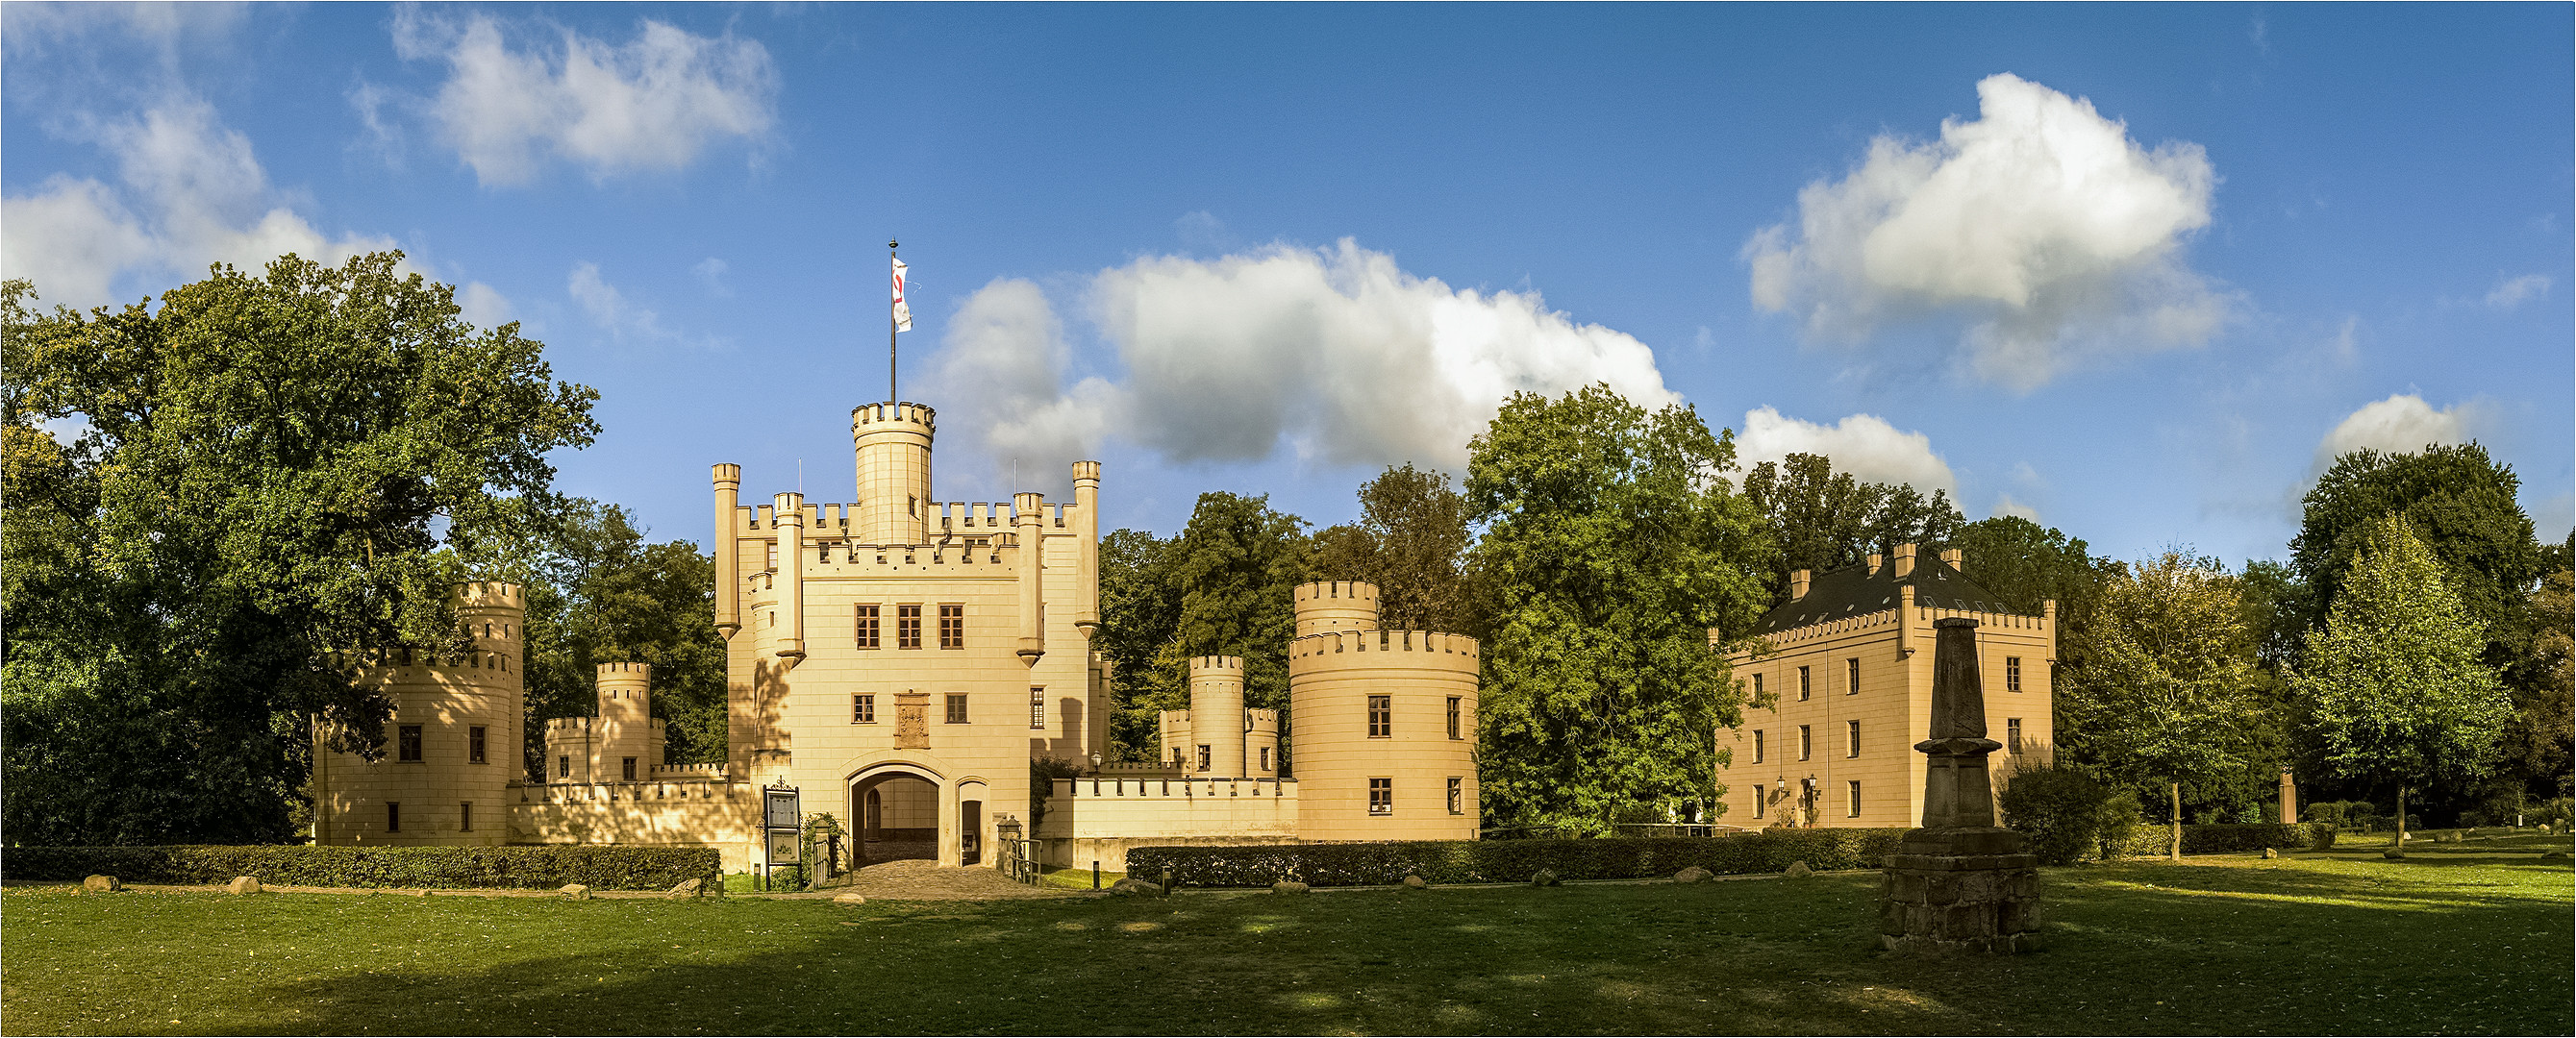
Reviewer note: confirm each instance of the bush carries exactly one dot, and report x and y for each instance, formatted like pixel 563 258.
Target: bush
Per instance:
pixel 2557 812
pixel 2120 821
pixel 2154 841
pixel 525 867
pixel 1514 861
pixel 2061 810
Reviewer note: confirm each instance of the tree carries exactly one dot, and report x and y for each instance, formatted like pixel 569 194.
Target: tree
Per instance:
pixel 1140 608
pixel 248 488
pixel 1223 587
pixel 2461 506
pixel 1410 541
pixel 599 593
pixel 1612 546
pixel 2541 743
pixel 2393 682
pixel 1821 519
pixel 2168 697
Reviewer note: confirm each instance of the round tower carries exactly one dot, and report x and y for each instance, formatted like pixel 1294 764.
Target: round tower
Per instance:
pixel 892 442
pixel 1216 713
pixel 1335 605
pixel 1382 723
pixel 627 742
pixel 453 743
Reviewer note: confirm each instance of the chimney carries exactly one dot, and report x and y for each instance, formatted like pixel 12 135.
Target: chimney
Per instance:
pixel 1904 559
pixel 1874 558
pixel 1797 584
pixel 1950 557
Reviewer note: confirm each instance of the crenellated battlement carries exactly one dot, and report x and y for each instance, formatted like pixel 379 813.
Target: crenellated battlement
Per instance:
pixel 626 673
pixel 1215 665
pixel 1334 605
pixel 491 594
pixel 922 417
pixel 1432 649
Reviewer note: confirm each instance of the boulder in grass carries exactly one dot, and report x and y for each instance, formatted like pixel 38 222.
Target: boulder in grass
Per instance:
pixel 1133 887
pixel 848 899
pixel 574 891
pixel 1545 878
pixel 690 888
pixel 2271 853
pixel 1797 870
pixel 2393 854
pixel 1416 883
pixel 1289 886
pixel 243 885
pixel 102 884
pixel 1693 874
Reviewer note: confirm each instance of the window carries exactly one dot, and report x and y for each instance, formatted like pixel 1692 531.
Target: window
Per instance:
pixel 1037 706
pixel 952 627
pixel 907 627
pixel 867 627
pixel 1761 799
pixel 1851 739
pixel 773 554
pixel 563 766
pixel 1805 688
pixel 1381 796
pixel 1855 799
pixel 1381 716
pixel 1265 758
pixel 407 741
pixel 393 817
pixel 1851 677
pixel 465 817
pixel 1455 704
pixel 863 708
pixel 2012 735
pixel 629 769
pixel 1457 795
pixel 1205 760
pixel 1806 745
pixel 474 745
pixel 957 708
pixel 2012 673
pixel 1757 746
pixel 1757 686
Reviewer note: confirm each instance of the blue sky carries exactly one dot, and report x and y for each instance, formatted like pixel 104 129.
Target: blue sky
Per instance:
pixel 2131 270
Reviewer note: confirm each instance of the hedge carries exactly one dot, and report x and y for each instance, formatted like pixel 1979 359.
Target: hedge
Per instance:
pixel 1512 861
pixel 2153 841
pixel 526 867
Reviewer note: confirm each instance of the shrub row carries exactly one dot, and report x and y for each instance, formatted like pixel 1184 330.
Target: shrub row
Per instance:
pixel 1512 861
pixel 2150 841
pixel 525 867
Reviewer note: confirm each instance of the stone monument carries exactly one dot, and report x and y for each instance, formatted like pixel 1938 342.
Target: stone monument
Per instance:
pixel 1959 882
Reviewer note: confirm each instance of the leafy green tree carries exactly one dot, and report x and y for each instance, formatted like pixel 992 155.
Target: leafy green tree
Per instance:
pixel 2393 682
pixel 2460 504
pixel 1140 609
pixel 1613 546
pixel 1821 519
pixel 2170 696
pixel 255 483
pixel 2541 743
pixel 1410 541
pixel 598 592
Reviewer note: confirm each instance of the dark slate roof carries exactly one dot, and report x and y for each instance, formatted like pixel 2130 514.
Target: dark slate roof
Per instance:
pixel 1856 591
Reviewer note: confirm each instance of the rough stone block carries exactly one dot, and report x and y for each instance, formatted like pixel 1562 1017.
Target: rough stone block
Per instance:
pixel 689 888
pixel 1692 874
pixel 1544 878
pixel 1907 887
pixel 1892 917
pixel 1289 886
pixel 242 885
pixel 2271 853
pixel 102 884
pixel 1942 890
pixel 1797 870
pixel 1416 883
pixel 574 891
pixel 848 899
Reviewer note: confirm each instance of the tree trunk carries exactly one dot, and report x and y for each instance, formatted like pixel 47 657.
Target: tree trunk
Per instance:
pixel 2177 821
pixel 2400 844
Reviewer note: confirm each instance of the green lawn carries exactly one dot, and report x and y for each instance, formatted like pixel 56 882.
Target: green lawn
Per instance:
pixel 2447 942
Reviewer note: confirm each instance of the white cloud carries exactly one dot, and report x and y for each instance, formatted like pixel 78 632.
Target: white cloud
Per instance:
pixel 1336 351
pixel 2403 423
pixel 651 104
pixel 2005 505
pixel 192 194
pixel 711 273
pixel 484 306
pixel 2041 222
pixel 629 326
pixel 2512 292
pixel 1866 446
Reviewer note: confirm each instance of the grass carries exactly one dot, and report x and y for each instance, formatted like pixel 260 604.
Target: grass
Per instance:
pixel 1077 879
pixel 2450 942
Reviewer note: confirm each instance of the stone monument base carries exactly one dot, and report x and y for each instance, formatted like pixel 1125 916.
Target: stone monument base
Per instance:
pixel 1962 889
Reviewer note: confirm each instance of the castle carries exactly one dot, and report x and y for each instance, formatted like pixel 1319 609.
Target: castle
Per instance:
pixel 897 662
pixel 1844 689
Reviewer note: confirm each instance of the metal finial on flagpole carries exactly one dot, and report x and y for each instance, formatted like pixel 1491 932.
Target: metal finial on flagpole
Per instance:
pixel 892 397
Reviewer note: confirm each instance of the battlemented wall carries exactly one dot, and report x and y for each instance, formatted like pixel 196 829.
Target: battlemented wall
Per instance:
pixel 684 808
pixel 1342 745
pixel 1098 818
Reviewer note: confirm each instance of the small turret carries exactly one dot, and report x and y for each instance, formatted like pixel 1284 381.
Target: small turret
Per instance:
pixel 892 445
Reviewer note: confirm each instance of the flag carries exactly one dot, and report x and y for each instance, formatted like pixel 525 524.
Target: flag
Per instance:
pixel 902 312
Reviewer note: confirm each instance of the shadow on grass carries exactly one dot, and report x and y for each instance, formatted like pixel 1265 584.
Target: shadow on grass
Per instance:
pixel 2301 946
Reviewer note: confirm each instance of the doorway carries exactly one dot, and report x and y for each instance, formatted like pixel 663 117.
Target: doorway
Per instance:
pixel 898 817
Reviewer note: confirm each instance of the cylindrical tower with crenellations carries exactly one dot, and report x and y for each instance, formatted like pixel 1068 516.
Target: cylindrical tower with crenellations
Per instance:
pixel 453 744
pixel 892 442
pixel 1382 724
pixel 1216 713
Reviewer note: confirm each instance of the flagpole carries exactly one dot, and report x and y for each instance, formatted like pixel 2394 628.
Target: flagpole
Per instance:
pixel 892 397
